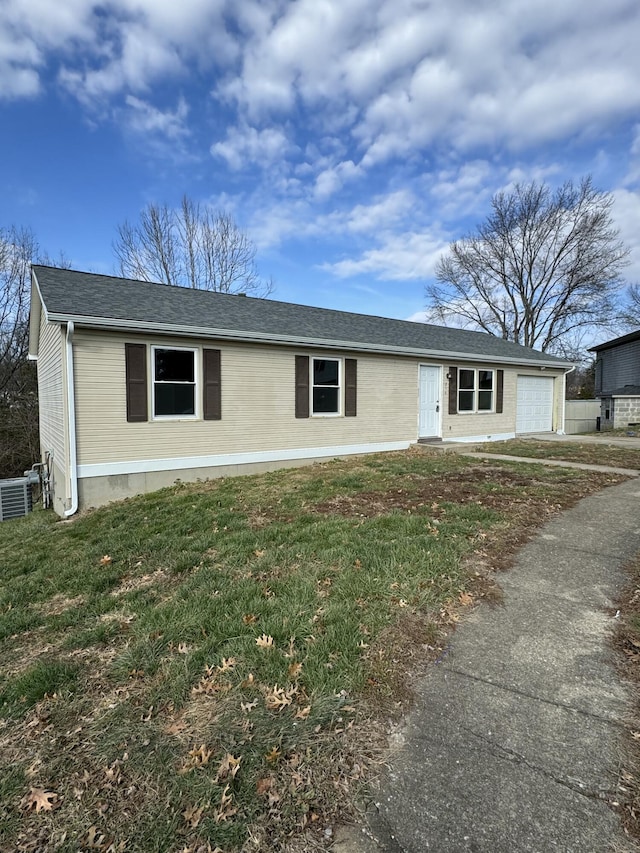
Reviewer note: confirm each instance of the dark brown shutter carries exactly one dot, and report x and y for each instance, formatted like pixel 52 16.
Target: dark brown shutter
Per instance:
pixel 302 386
pixel 453 390
pixel 350 387
pixel 212 397
pixel 135 358
pixel 500 392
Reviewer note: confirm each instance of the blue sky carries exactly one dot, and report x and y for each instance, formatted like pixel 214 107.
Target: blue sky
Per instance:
pixel 351 139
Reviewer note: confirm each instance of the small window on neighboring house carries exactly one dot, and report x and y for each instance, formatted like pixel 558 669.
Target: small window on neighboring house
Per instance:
pixel 475 390
pixel 325 393
pixel 174 383
pixel 607 414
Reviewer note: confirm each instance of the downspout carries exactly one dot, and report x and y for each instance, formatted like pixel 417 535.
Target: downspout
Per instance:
pixel 71 418
pixel 564 400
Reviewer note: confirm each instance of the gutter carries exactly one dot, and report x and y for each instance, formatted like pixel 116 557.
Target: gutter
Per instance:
pixel 71 420
pixel 140 326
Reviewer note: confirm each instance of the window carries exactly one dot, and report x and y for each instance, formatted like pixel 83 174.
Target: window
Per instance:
pixel 325 391
pixel 475 390
pixel 174 383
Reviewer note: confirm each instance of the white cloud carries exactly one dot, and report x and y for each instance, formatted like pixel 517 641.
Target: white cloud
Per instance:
pixel 247 145
pixel 401 257
pixel 626 215
pixel 145 118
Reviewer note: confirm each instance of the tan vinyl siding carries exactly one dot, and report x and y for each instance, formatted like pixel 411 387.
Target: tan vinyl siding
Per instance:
pixel 258 404
pixel 51 392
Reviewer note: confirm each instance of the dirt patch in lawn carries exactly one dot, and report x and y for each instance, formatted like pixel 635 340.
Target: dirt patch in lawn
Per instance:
pixel 492 486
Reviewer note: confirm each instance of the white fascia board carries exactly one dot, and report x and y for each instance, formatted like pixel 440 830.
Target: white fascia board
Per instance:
pixel 141 327
pixel 34 318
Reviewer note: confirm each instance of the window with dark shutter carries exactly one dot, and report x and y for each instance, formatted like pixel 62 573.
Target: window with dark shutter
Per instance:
pixel 350 387
pixel 212 386
pixel 135 357
pixel 500 392
pixel 453 390
pixel 302 386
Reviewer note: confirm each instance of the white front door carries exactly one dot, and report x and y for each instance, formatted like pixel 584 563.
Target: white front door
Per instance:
pixel 429 414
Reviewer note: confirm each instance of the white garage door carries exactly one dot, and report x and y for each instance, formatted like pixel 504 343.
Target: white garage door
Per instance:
pixel 534 411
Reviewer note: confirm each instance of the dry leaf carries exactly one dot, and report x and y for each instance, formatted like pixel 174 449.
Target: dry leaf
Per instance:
pixel 263 785
pixel 294 670
pixel 249 681
pixel 227 663
pixel 227 808
pixel 265 642
pixel 465 599
pixel 248 706
pixel 40 800
pixel 302 713
pixel 249 619
pixel 193 815
pixel 104 561
pixel 278 698
pixel 197 757
pixel 229 767
pixel 273 755
pixel 259 553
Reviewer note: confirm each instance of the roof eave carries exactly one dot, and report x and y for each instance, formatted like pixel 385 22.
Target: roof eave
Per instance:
pixel 140 326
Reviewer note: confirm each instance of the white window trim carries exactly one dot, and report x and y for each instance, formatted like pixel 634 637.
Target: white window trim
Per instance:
pixel 196 382
pixel 337 414
pixel 476 390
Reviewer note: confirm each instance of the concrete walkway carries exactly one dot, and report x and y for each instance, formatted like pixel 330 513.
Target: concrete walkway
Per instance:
pixel 512 746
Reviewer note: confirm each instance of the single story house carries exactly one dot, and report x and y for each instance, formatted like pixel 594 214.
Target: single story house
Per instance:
pixel 143 384
pixel 618 381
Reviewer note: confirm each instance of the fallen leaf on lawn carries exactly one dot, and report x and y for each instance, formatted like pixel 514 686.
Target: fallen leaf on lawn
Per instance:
pixel 249 681
pixel 229 767
pixel 197 757
pixel 259 553
pixel 263 785
pixel 248 706
pixel 265 642
pixel 294 670
pixel 39 800
pixel 273 755
pixel 193 815
pixel 465 599
pixel 175 728
pixel 274 797
pixel 227 809
pixel 279 697
pixel 302 713
pixel 357 564
pixel 104 561
pixel 184 648
pixel 249 619
pixel 227 663
pixel 95 840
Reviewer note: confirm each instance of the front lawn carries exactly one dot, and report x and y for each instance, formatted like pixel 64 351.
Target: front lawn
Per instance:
pixel 205 667
pixel 591 453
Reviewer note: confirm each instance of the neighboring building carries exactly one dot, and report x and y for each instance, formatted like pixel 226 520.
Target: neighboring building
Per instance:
pixel 618 381
pixel 143 384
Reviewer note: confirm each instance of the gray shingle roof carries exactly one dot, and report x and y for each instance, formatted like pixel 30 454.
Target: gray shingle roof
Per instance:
pixel 616 342
pixel 105 301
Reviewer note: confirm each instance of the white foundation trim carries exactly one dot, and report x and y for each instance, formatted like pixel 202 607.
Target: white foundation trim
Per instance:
pixel 142 466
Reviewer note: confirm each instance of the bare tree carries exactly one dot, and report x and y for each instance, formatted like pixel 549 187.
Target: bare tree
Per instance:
pixel 632 313
pixel 191 247
pixel 544 265
pixel 19 439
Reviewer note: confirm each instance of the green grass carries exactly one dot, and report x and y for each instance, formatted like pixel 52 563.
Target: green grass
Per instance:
pixel 592 453
pixel 264 618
